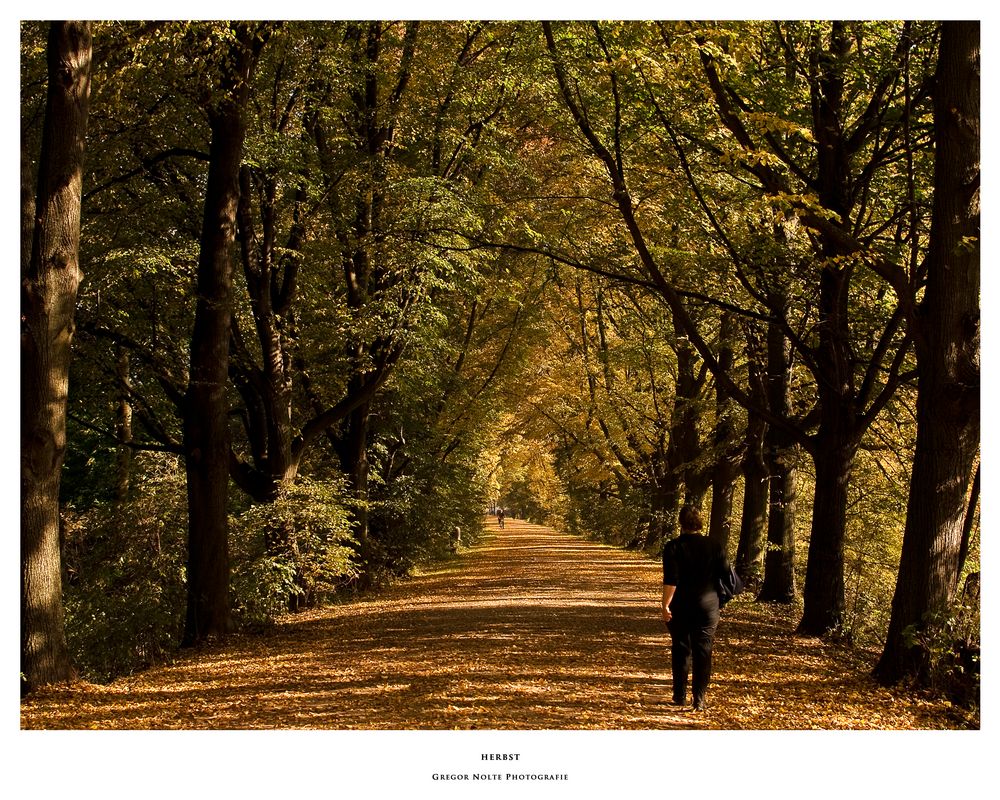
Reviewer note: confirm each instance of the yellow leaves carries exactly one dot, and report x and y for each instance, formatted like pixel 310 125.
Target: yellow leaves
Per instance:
pixel 840 263
pixel 967 244
pixel 789 206
pixel 719 54
pixel 535 629
pixel 736 156
pixel 773 124
pixel 762 158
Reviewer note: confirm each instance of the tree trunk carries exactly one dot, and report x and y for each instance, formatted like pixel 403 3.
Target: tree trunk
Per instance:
pixel 823 594
pixel 685 442
pixel 968 525
pixel 753 523
pixel 833 450
pixel 353 451
pixel 266 387
pixel 123 428
pixel 206 423
pixel 947 346
pixel 660 494
pixel 779 560
pixel 48 303
pixel 720 521
pixel 664 503
pixel 836 441
pixel 727 464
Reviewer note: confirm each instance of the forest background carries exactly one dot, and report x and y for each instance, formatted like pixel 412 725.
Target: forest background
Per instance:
pixel 577 294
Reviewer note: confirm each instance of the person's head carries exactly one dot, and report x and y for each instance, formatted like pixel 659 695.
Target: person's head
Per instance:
pixel 690 519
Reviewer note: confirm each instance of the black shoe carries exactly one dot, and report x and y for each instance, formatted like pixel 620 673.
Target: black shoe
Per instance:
pixel 699 704
pixel 679 693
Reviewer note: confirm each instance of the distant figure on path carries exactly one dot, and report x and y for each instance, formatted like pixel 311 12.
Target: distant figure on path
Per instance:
pixel 691 565
pixel 500 517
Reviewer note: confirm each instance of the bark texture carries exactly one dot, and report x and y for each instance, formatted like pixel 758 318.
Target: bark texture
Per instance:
pixel 753 521
pixel 779 558
pixel 206 423
pixel 727 447
pixel 835 443
pixel 947 346
pixel 51 277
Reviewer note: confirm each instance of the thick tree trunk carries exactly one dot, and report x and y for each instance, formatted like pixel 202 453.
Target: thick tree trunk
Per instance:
pixel 833 450
pixel 206 423
pixel 779 560
pixel 823 594
pixel 685 441
pixel 48 303
pixel 836 441
pixel 947 345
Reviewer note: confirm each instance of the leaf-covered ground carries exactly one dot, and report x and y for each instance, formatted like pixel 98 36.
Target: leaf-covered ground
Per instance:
pixel 532 629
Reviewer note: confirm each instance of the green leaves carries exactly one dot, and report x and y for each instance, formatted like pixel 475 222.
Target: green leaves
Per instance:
pixel 298 545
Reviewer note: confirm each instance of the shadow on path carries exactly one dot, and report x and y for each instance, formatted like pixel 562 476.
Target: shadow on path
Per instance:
pixel 531 629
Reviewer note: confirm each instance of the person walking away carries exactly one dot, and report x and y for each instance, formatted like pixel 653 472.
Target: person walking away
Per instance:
pixel 691 565
pixel 500 517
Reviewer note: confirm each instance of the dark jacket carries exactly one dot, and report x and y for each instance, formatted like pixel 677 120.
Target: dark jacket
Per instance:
pixel 693 563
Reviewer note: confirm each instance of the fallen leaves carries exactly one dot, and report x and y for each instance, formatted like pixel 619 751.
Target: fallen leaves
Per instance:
pixel 531 630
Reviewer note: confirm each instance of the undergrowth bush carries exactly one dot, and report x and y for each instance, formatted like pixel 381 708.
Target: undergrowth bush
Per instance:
pixel 949 643
pixel 602 516
pixel 292 552
pixel 124 589
pixel 413 519
pixel 124 565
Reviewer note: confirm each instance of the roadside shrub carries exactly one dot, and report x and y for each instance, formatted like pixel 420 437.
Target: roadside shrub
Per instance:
pixel 600 514
pixel 124 565
pixel 949 645
pixel 290 553
pixel 415 516
pixel 124 587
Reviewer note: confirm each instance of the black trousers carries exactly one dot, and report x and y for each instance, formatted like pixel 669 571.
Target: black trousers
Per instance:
pixel 691 638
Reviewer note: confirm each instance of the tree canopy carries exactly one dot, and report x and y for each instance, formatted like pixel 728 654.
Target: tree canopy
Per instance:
pixel 349 285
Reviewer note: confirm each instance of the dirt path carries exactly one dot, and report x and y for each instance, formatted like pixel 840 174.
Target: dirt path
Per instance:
pixel 532 629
